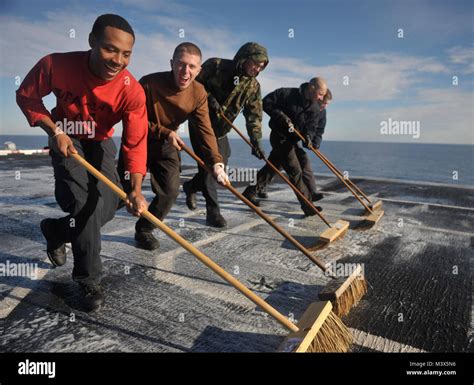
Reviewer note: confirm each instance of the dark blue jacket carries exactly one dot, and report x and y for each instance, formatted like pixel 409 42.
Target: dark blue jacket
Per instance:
pixel 318 137
pixel 304 114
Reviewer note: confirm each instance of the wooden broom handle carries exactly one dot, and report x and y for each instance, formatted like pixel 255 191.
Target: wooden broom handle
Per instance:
pixel 347 179
pixel 189 247
pixel 270 164
pixel 341 178
pixel 260 213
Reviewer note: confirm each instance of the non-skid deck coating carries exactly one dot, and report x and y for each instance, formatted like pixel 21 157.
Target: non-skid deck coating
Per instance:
pixel 417 260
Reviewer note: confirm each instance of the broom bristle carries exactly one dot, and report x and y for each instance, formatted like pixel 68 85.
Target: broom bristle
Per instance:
pixel 351 297
pixel 318 246
pixel 333 337
pixel 319 330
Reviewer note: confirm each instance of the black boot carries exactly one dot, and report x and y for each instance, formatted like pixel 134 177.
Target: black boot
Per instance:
pixel 146 240
pixel 214 218
pixel 316 197
pixel 93 296
pixel 55 248
pixel 251 195
pixel 309 211
pixel 191 201
pixel 262 194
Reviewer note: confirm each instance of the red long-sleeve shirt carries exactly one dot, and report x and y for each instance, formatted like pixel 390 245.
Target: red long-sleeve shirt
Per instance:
pixel 83 97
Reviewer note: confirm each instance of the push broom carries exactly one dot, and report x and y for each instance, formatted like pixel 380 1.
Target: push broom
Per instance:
pixel 373 206
pixel 373 212
pixel 350 290
pixel 334 232
pixel 319 329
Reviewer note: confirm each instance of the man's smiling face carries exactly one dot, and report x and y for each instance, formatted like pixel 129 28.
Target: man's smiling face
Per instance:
pixel 110 53
pixel 186 66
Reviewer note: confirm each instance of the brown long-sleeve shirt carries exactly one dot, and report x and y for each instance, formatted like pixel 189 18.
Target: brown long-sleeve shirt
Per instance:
pixel 168 107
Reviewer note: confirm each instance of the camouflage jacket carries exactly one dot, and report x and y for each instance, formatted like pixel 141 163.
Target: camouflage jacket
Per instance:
pixel 235 91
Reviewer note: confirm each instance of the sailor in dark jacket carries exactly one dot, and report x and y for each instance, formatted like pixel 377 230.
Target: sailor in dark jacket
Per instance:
pixel 290 108
pixel 305 162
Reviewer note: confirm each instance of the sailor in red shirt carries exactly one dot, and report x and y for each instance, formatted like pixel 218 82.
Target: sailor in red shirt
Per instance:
pixel 94 92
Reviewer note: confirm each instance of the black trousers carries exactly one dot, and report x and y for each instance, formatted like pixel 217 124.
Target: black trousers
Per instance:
pixel 306 168
pixel 283 156
pixel 164 164
pixel 89 202
pixel 308 174
pixel 203 181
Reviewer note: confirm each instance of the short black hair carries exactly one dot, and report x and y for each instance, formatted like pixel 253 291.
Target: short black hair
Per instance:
pixel 188 47
pixel 110 20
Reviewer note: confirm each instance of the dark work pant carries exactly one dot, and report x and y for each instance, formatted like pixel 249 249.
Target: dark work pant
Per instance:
pixel 306 168
pixel 305 163
pixel 164 163
pixel 90 204
pixel 203 181
pixel 283 155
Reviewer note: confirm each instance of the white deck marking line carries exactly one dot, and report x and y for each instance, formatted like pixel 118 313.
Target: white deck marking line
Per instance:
pixel 428 204
pixel 405 201
pixel 166 260
pixel 244 226
pixel 134 219
pixel 373 342
pixel 188 215
pixel 219 235
pixel 8 304
pixel 13 299
pixel 447 231
pixel 15 296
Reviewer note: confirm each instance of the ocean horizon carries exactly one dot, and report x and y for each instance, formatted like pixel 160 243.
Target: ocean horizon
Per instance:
pixel 439 163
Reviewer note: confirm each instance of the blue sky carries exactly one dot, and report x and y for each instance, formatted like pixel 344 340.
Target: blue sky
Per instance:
pixel 402 79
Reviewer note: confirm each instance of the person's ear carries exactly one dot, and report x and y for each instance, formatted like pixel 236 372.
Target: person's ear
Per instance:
pixel 171 63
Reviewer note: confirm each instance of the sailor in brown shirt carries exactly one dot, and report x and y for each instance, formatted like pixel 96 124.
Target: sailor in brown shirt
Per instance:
pixel 172 98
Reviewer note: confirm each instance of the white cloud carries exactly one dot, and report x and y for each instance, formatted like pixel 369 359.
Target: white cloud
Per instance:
pixel 463 57
pixel 24 42
pixel 28 41
pixel 445 116
pixel 31 40
pixel 461 54
pixel 214 41
pixel 372 77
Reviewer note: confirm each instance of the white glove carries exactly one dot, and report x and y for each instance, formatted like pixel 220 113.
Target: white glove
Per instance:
pixel 220 174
